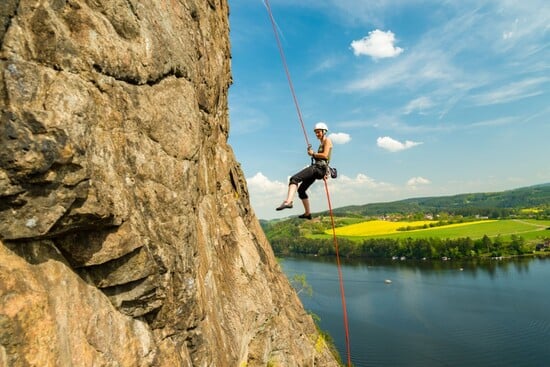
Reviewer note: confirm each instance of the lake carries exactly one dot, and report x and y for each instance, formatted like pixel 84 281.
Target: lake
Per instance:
pixel 442 313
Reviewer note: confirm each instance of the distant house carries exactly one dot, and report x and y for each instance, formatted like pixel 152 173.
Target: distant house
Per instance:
pixel 543 246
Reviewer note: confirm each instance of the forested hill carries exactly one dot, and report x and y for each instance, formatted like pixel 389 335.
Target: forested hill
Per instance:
pixel 489 204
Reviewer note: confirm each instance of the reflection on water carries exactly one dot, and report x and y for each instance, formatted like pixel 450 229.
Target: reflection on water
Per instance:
pixel 442 313
pixel 489 266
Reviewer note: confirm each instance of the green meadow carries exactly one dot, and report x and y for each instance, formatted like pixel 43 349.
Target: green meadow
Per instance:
pixel 529 229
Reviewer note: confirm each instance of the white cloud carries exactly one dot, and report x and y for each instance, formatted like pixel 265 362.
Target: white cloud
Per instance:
pixel 396 123
pixel 266 195
pixel 262 185
pixel 419 104
pixel 378 44
pixel 340 138
pixel 394 145
pixel 494 122
pixel 358 190
pixel 360 180
pixel 326 64
pixel 432 62
pixel 512 92
pixel 423 66
pixel 414 181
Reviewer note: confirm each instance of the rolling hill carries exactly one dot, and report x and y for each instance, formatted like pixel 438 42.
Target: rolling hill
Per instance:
pixel 510 223
pixel 462 204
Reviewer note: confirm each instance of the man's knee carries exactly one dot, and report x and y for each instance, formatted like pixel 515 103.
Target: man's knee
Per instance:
pixel 302 194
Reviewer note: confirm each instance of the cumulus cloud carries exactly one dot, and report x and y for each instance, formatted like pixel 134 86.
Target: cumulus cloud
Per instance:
pixel 262 185
pixel 360 180
pixel 266 195
pixel 378 44
pixel 394 145
pixel 415 181
pixel 340 138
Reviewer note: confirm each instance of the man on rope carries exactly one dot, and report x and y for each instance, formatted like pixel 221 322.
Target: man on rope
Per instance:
pixel 318 169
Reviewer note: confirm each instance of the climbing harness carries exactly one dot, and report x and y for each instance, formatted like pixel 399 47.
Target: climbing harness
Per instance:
pixel 340 276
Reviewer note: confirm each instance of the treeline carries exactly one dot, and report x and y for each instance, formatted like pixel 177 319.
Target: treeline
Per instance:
pixel 493 205
pixel 405 210
pixel 420 212
pixel 428 248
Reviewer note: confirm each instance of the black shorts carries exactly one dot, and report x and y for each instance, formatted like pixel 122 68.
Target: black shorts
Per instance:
pixel 306 177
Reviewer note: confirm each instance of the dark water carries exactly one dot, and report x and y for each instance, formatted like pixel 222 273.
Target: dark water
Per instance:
pixel 493 313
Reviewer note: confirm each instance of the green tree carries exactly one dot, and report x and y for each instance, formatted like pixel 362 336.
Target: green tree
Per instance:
pixel 300 284
pixel 517 245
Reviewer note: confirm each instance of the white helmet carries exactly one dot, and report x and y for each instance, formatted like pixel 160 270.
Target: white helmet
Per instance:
pixel 320 126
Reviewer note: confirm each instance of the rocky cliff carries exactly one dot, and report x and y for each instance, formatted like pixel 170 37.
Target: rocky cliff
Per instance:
pixel 126 234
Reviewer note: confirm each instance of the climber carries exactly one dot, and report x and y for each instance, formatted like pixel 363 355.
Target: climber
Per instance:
pixel 302 180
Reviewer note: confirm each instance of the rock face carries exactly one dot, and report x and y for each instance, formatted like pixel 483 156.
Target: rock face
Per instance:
pixel 126 234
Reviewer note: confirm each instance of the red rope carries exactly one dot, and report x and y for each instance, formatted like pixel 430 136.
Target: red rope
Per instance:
pixel 340 277
pixel 283 58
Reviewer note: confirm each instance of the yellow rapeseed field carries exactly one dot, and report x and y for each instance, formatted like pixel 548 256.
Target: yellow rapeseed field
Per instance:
pixel 376 227
pixel 379 227
pixel 531 210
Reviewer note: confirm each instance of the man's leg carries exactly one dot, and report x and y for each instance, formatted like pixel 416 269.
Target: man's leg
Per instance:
pixel 291 191
pixel 306 206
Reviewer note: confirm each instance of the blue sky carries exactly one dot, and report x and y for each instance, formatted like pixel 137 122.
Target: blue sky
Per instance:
pixel 423 98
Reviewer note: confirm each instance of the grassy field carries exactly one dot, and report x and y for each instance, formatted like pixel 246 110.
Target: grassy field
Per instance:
pixel 528 229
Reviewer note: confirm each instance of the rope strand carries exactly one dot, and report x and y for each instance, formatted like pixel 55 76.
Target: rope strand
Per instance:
pixel 340 276
pixel 287 72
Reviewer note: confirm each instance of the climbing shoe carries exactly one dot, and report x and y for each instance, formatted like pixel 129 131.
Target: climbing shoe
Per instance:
pixel 284 205
pixel 305 216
